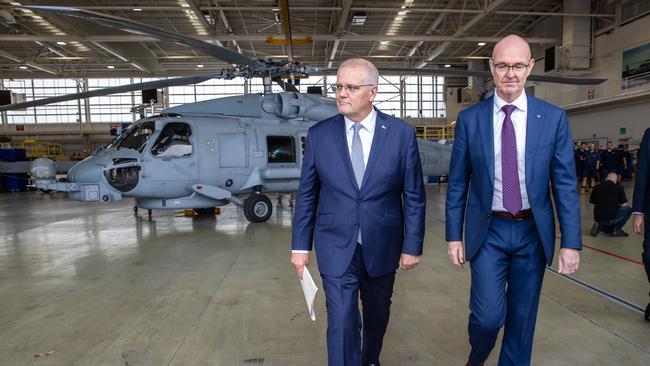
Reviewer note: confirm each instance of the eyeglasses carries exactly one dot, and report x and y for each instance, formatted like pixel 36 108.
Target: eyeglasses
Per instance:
pixel 503 68
pixel 337 88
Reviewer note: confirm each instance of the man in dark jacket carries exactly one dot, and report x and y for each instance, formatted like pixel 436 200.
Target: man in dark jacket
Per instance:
pixel 610 210
pixel 641 204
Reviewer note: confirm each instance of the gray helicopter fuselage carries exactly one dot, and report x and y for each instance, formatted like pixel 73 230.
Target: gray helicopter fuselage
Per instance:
pixel 206 154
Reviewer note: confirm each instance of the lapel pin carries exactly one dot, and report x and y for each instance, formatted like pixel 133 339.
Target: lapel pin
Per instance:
pixel 384 127
pixel 539 116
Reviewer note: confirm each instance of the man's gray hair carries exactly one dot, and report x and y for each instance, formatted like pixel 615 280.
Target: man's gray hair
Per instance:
pixel 372 74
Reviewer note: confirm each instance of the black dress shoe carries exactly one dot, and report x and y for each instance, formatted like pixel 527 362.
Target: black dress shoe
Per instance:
pixel 595 229
pixel 620 234
pixel 647 313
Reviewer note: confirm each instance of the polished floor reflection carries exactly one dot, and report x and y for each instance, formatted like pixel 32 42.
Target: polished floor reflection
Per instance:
pixel 99 285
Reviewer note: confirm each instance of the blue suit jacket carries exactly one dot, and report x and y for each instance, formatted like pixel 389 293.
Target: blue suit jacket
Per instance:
pixel 549 159
pixel 389 206
pixel 641 200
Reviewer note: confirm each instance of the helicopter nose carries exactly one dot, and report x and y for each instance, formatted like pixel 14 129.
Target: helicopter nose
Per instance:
pixel 86 171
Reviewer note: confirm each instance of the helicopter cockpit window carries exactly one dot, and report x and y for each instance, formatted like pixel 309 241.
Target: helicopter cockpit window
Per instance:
pixel 174 141
pixel 281 149
pixel 135 137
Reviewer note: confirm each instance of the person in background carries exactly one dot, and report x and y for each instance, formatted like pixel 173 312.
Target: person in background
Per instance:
pixel 611 211
pixel 592 164
pixel 608 161
pixel 621 162
pixel 581 159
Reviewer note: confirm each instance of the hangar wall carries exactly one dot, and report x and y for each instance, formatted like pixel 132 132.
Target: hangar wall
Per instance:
pixel 624 108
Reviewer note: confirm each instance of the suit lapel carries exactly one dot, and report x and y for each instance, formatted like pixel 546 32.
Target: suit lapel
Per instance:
pixel 486 129
pixel 381 131
pixel 534 125
pixel 342 144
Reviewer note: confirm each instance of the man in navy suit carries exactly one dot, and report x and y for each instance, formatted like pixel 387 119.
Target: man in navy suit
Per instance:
pixel 641 204
pixel 507 149
pixel 361 202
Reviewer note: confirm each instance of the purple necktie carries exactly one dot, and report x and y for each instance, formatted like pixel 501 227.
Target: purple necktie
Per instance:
pixel 509 171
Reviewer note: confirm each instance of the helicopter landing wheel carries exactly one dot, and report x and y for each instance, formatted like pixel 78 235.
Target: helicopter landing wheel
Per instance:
pixel 257 208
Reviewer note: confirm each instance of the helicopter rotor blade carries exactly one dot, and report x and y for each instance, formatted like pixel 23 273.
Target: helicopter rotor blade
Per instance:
pixel 531 77
pixel 456 72
pixel 112 90
pixel 131 26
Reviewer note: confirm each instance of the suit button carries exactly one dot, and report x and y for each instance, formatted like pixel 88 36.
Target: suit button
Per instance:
pixel 487 216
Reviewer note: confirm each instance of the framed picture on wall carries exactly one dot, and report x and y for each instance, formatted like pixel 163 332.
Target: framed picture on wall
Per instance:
pixel 636 66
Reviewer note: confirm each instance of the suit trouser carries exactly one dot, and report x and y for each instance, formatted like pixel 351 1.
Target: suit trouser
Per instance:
pixel 507 274
pixel 344 345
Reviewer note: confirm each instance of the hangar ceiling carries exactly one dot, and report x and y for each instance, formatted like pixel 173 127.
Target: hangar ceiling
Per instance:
pixel 411 33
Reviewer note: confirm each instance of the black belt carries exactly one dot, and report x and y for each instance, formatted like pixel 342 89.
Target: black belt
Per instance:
pixel 521 215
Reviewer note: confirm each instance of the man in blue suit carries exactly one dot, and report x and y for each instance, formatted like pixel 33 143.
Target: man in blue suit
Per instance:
pixel 361 202
pixel 507 149
pixel 641 204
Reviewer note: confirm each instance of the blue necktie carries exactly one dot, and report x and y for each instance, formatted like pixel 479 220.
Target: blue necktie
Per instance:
pixel 510 173
pixel 357 155
pixel 358 165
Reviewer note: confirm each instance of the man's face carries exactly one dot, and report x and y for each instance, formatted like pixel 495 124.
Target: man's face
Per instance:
pixel 355 99
pixel 610 146
pixel 510 68
pixel 592 147
pixel 583 146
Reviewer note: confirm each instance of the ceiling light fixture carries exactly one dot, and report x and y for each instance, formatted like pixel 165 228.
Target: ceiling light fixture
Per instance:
pixel 447 65
pixel 110 67
pixel 199 66
pixel 359 18
pixel 137 9
pixel 61 43
pixel 22 67
pixel 481 44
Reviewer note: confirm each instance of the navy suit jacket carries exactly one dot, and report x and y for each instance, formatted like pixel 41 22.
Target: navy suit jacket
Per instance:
pixel 641 200
pixel 389 207
pixel 549 159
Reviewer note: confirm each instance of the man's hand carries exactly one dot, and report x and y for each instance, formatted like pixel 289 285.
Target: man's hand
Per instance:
pixel 407 261
pixel 456 252
pixel 568 261
pixel 639 226
pixel 300 260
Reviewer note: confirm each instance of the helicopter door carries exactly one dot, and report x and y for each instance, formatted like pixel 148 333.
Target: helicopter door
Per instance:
pixel 174 164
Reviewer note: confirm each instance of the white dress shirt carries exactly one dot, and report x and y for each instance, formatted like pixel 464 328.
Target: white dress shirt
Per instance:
pixel 366 134
pixel 518 118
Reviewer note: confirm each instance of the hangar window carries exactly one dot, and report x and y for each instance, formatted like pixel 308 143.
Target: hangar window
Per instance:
pixel 281 149
pixel 174 141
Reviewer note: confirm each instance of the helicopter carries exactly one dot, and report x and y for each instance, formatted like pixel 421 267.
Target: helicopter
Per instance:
pixel 229 150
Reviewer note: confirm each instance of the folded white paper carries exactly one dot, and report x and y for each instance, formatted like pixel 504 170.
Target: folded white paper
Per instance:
pixel 309 289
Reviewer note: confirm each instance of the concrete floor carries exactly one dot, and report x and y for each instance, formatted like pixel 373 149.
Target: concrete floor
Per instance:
pixel 100 286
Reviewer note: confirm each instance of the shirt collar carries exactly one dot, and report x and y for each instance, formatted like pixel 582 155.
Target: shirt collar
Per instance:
pixel 368 123
pixel 521 102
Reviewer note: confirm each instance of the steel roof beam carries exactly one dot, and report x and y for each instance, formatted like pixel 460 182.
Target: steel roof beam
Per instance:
pixel 263 38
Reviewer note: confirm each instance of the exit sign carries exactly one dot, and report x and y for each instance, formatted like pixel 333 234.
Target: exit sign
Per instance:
pixel 622 131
